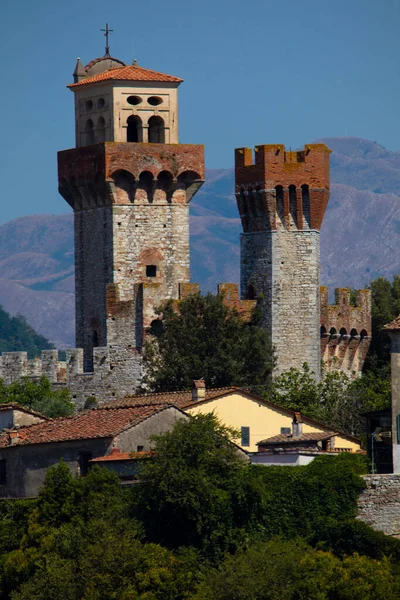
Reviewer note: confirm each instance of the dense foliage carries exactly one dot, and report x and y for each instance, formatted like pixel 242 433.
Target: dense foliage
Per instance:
pixel 38 396
pixel 336 400
pixel 201 525
pixel 206 339
pixel 16 336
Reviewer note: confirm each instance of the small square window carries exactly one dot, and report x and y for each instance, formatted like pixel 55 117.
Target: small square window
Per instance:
pixel 286 431
pixel 245 436
pixel 151 271
pixel 139 448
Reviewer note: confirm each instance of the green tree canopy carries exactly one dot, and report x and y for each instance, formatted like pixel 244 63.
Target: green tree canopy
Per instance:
pixel 336 400
pixel 39 396
pixel 206 339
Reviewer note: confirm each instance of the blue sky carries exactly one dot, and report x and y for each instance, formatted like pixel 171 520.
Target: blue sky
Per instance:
pixel 255 72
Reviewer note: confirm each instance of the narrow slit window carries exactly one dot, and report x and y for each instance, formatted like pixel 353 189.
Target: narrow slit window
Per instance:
pixel 3 472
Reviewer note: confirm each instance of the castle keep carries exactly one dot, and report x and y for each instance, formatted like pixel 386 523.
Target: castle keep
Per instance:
pixel 129 183
pixel 282 198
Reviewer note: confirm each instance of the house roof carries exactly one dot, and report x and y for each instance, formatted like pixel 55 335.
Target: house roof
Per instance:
pixel 97 423
pixel 127 73
pixel 183 399
pixel 117 455
pixel 393 325
pixel 284 439
pixel 16 406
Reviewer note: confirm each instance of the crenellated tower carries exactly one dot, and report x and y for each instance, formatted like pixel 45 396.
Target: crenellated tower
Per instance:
pixel 129 183
pixel 282 197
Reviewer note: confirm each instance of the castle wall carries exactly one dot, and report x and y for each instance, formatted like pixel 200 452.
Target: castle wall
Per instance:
pixel 379 503
pixel 345 330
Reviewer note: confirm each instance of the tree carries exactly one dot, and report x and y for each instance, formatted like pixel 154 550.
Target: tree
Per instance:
pixel 38 396
pixel 292 570
pixel 16 336
pixel 206 339
pixel 336 400
pixel 186 489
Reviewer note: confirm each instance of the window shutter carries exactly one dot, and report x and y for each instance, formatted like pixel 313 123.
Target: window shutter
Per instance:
pixel 245 436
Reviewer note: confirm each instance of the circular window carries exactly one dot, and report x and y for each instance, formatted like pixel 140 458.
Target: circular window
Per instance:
pixel 154 100
pixel 134 100
pixel 89 105
pixel 101 103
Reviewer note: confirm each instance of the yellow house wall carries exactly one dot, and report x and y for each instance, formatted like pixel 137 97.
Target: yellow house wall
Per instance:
pixel 236 410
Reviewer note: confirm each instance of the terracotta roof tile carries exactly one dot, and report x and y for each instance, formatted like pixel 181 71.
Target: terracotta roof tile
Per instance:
pixel 127 73
pixel 180 399
pixel 393 325
pixel 98 423
pixel 305 437
pixel 123 456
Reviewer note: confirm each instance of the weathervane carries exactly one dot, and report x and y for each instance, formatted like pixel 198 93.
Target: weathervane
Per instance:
pixel 107 31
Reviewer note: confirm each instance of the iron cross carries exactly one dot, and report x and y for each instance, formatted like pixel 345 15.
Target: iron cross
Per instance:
pixel 107 31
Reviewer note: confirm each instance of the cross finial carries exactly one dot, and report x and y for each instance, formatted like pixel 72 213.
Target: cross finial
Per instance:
pixel 107 31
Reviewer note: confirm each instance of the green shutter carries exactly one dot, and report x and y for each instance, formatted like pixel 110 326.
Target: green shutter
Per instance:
pixel 245 436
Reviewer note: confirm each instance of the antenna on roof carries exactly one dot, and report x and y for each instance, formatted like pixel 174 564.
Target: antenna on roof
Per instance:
pixel 134 62
pixel 107 31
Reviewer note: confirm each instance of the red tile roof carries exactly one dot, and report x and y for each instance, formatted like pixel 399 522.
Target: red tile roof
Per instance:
pixel 180 399
pixel 127 73
pixel 393 325
pixel 98 423
pixel 123 456
pixel 290 439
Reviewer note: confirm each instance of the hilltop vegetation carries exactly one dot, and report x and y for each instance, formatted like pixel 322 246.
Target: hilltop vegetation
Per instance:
pixel 16 336
pixel 201 525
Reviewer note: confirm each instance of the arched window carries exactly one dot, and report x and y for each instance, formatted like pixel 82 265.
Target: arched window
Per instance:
pixel 363 335
pixel 343 332
pixel 305 196
pixel 251 293
pixel 353 333
pixel 332 332
pixel 323 331
pixel 134 131
pixel 279 202
pixel 293 203
pixel 101 130
pixel 156 130
pixel 89 132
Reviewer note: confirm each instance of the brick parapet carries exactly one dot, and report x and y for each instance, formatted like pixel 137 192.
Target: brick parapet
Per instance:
pixel 88 176
pixel 281 186
pixel 379 503
pixel 345 330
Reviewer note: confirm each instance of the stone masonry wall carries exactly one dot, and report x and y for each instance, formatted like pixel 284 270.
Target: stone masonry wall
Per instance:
pixel 345 330
pixel 284 269
pixel 379 503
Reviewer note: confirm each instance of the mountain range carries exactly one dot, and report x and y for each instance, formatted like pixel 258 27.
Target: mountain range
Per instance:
pixel 359 238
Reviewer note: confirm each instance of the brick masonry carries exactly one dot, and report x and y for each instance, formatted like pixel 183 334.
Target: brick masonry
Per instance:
pixel 379 503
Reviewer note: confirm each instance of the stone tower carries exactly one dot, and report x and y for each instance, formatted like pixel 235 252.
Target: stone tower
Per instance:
pixel 282 199
pixel 129 183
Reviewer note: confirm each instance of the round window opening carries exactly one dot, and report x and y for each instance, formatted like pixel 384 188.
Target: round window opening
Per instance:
pixel 134 100
pixel 100 103
pixel 89 105
pixel 154 100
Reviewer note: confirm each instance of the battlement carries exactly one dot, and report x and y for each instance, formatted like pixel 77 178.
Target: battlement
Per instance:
pixel 125 173
pixel 230 292
pixel 274 165
pixel 282 189
pixel 345 330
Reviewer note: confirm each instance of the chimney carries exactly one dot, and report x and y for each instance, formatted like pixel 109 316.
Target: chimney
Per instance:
pixel 297 426
pixel 14 437
pixel 198 390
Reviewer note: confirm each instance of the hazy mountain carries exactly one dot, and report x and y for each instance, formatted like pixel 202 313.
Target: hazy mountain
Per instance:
pixel 358 238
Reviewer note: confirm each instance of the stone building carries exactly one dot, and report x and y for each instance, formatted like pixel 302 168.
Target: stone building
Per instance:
pixel 27 452
pixel 282 197
pixel 129 182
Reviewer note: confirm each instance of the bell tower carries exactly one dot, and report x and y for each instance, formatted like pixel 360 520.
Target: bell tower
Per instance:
pixel 129 182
